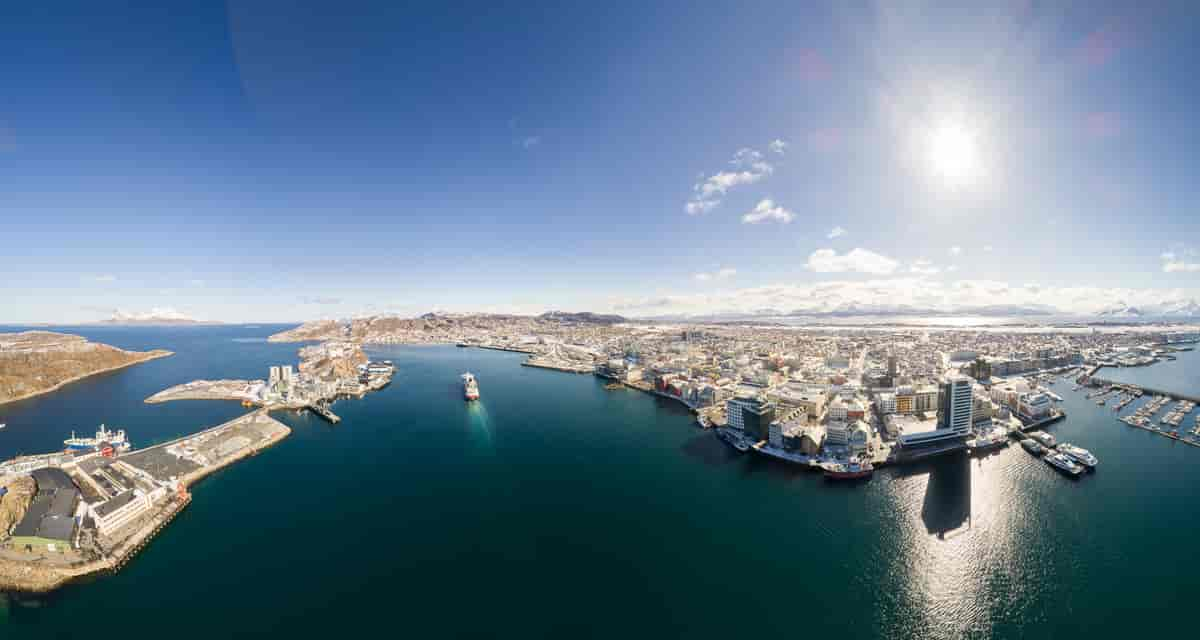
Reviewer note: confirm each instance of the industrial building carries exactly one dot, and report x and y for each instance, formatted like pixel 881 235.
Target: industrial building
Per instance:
pixel 49 523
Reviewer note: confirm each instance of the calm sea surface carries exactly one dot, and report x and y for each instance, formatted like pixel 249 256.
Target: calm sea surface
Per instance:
pixel 554 508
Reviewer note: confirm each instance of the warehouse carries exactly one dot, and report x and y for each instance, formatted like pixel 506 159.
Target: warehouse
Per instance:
pixel 49 523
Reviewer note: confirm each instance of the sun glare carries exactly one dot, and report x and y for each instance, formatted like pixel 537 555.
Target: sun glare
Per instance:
pixel 953 154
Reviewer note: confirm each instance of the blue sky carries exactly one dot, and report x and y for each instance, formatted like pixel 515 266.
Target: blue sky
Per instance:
pixel 256 161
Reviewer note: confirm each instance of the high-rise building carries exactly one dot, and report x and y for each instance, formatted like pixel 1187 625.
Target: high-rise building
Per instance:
pixel 753 416
pixel 955 404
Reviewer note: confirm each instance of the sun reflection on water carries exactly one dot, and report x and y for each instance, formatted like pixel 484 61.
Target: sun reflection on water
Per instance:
pixel 955 561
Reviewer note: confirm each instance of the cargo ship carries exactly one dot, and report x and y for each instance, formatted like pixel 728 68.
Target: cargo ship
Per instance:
pixel 470 387
pixel 115 439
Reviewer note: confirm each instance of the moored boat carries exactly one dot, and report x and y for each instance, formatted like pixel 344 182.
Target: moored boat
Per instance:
pixel 116 439
pixel 1079 454
pixel 1043 438
pixel 852 469
pixel 1064 463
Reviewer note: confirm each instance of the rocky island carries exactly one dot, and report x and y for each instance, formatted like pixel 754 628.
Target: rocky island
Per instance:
pixel 37 362
pixel 325 372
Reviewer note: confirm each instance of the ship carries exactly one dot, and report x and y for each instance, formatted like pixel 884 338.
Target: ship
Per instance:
pixel 115 439
pixel 987 440
pixel 1032 446
pixel 852 469
pixel 1043 438
pixel 1079 454
pixel 734 439
pixel 470 387
pixel 1064 463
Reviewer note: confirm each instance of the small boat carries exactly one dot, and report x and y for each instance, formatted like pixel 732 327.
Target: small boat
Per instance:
pixel 3 424
pixel 1043 438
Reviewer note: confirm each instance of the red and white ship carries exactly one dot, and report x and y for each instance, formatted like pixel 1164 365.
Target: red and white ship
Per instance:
pixel 852 469
pixel 470 387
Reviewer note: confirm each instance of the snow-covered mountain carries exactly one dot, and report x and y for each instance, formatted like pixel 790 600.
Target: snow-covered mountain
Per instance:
pixel 157 315
pixel 1180 308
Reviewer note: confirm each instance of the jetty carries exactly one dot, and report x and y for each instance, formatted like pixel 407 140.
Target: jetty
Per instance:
pixel 324 411
pixel 129 499
pixel 1174 395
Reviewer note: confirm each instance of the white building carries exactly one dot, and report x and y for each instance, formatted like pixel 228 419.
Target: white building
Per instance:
pixel 837 433
pixel 1034 406
pixel 837 410
pixel 886 403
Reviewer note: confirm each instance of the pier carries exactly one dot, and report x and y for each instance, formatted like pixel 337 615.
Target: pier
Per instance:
pixel 324 412
pixel 171 468
pixel 1174 395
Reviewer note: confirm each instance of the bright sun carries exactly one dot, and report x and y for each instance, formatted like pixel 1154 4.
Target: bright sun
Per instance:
pixel 953 154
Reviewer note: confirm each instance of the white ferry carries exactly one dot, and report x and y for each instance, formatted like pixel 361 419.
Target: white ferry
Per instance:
pixel 1079 454
pixel 1063 463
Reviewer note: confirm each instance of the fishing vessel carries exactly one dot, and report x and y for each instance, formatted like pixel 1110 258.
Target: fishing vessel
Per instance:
pixel 470 387
pixel 1079 454
pixel 116 439
pixel 1064 463
pixel 852 469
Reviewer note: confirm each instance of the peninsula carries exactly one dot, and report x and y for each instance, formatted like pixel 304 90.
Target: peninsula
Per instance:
pixel 326 371
pixel 78 514
pixel 37 362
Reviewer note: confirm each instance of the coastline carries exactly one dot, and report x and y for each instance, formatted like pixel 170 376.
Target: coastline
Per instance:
pixel 36 577
pixel 145 357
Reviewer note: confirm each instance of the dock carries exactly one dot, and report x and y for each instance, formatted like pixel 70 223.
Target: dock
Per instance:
pixel 1174 395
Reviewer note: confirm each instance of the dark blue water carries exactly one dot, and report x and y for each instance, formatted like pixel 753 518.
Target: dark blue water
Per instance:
pixel 554 508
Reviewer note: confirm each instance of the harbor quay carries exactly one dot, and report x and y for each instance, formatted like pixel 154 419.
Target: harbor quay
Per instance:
pixel 326 372
pixel 90 514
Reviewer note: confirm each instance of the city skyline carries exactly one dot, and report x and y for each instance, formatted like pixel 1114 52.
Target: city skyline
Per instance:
pixel 282 163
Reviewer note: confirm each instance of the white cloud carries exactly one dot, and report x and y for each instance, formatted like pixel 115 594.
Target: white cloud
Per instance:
pixel 854 261
pixel 723 273
pixel 836 232
pixel 987 248
pixel 952 268
pixel 530 142
pixel 924 267
pixel 1175 263
pixel 955 251
pixel 778 146
pixel 196 282
pixel 101 278
pixel 749 167
pixel 766 209
pixel 913 291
